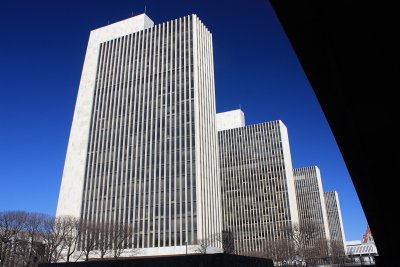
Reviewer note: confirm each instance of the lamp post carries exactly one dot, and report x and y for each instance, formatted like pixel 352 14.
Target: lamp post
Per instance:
pixel 186 246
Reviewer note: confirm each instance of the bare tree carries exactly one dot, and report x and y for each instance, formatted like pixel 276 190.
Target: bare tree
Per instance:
pixel 73 233
pixel 11 224
pixel 34 227
pixel 33 230
pixel 21 250
pixel 30 238
pixel 308 241
pixel 319 253
pixel 279 250
pixel 203 244
pixel 90 233
pixel 282 250
pixel 120 235
pixel 54 234
pixel 22 243
pixel 104 241
pixel 337 253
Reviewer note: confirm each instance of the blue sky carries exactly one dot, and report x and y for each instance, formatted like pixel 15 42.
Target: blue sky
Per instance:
pixel 42 48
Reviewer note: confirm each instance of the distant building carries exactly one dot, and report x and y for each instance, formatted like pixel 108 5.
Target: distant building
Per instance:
pixel 335 222
pixel 311 200
pixel 258 194
pixel 362 251
pixel 358 248
pixel 367 237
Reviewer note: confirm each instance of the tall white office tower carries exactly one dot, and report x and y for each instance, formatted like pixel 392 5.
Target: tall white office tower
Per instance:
pixel 258 194
pixel 335 222
pixel 311 202
pixel 143 142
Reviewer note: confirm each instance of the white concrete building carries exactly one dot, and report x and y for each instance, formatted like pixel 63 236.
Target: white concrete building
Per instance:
pixel 334 215
pixel 361 253
pixel 311 200
pixel 258 192
pixel 143 145
pixel 230 120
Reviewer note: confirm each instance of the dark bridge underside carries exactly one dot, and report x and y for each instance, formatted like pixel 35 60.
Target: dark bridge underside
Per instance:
pixel 349 51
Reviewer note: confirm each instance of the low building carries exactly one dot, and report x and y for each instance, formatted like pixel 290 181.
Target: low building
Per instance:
pixel 363 251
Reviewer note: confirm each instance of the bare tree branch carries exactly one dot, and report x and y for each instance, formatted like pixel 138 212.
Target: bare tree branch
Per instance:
pixel 11 224
pixel 120 235
pixel 308 242
pixel 104 242
pixel 90 232
pixel 73 229
pixel 203 244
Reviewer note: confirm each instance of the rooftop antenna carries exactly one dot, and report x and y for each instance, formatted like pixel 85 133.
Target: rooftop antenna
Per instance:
pixel 240 107
pixel 144 9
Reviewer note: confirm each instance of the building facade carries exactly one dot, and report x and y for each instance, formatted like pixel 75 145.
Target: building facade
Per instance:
pixel 143 142
pixel 363 251
pixel 230 119
pixel 311 203
pixel 258 194
pixel 335 223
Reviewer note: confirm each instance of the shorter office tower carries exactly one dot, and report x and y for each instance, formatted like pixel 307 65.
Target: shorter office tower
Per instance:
pixel 311 204
pixel 335 223
pixel 360 253
pixel 258 195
